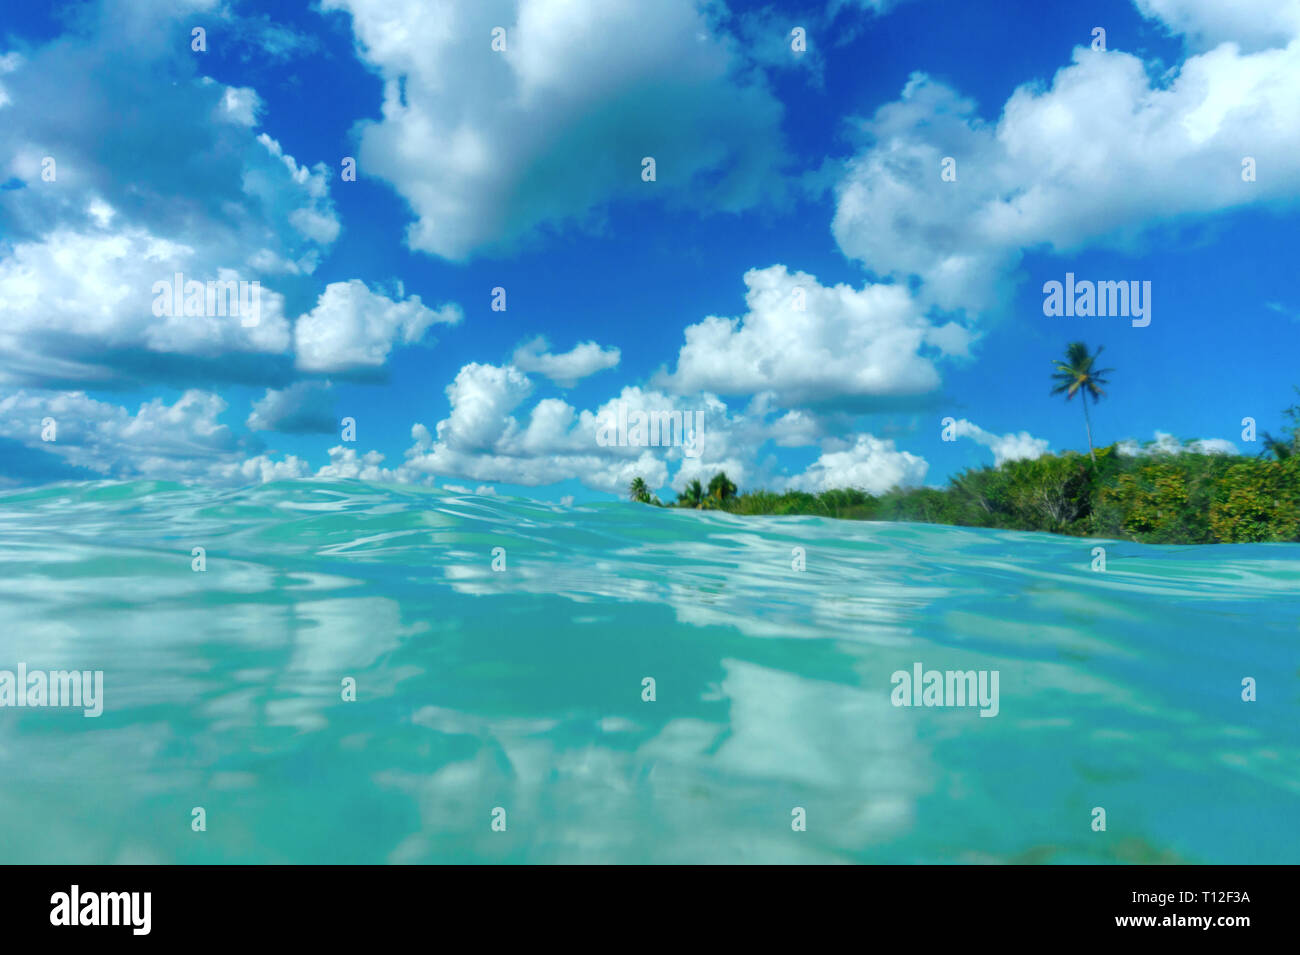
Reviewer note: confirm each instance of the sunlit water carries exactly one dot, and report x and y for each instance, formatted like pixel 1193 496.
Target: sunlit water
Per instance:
pixel 522 689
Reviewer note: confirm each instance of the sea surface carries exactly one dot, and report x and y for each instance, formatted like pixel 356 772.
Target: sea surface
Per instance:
pixel 515 696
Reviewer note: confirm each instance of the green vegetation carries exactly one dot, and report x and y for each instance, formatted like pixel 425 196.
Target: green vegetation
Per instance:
pixel 721 493
pixel 639 491
pixel 1183 498
pixel 1157 497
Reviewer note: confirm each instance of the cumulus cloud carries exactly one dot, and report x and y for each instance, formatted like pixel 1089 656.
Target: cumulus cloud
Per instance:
pixel 568 367
pixel 88 249
pixel 178 440
pixel 805 343
pixel 870 463
pixel 77 301
pixel 486 146
pixel 482 397
pixel 128 138
pixel 1254 24
pixel 482 439
pixel 305 407
pixel 259 469
pixel 491 434
pixel 80 102
pixel 181 441
pixel 795 429
pixel 487 436
pixel 353 329
pixel 1005 447
pixel 345 463
pixel 1103 154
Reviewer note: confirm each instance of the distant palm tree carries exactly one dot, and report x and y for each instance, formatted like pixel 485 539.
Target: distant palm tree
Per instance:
pixel 639 491
pixel 692 495
pixel 1076 374
pixel 720 487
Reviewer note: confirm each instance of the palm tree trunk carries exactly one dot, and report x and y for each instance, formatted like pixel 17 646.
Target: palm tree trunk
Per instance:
pixel 1087 423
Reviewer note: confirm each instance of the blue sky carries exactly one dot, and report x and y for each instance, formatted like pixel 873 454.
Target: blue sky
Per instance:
pixel 521 169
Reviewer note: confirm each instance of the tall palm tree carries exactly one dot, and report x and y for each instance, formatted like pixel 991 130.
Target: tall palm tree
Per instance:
pixel 639 491
pixel 1076 375
pixel 721 488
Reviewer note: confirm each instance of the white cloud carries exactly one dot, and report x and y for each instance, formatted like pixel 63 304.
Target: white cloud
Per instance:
pixel 305 407
pixel 260 469
pixel 567 368
pixel 483 439
pixel 1100 156
pixel 345 463
pixel 489 436
pixel 482 397
pixel 870 463
pixel 352 328
pixel 1005 447
pixel 130 137
pixel 75 300
pixel 240 105
pixel 1166 443
pixel 795 429
pixel 1255 24
pixel 487 146
pixel 313 217
pixel 180 440
pixel 844 343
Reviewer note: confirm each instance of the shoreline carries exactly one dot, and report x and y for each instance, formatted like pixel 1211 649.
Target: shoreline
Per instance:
pixel 1152 497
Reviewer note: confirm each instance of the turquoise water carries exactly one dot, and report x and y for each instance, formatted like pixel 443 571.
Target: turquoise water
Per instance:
pixel 522 689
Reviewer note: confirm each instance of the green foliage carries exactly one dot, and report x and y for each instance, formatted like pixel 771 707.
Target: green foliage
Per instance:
pixel 1156 498
pixel 721 489
pixel 1258 501
pixel 1049 493
pixel 1076 373
pixel 639 491
pixel 1161 499
pixel 691 496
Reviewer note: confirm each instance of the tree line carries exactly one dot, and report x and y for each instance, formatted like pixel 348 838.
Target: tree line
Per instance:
pixel 1158 497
